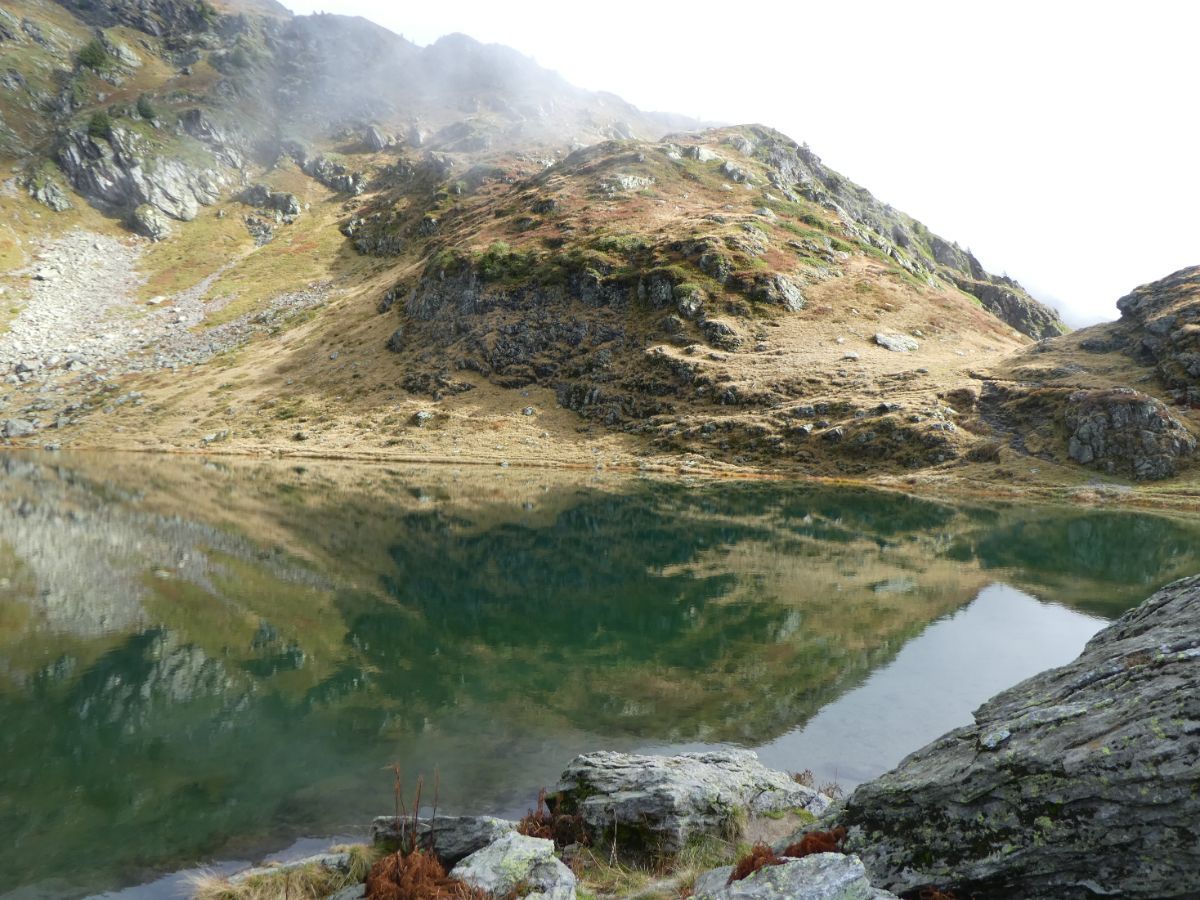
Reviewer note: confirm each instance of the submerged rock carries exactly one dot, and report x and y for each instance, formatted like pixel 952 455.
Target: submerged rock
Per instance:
pixel 656 803
pixel 822 876
pixel 517 865
pixel 1079 782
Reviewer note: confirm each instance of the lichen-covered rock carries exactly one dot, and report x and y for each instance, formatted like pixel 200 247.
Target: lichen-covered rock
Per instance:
pixel 659 802
pixel 452 837
pixel 520 864
pixel 1125 432
pixel 897 343
pixel 1079 782
pixel 47 192
pixel 822 876
pixel 778 290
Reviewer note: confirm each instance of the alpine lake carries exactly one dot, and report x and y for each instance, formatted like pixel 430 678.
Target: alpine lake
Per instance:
pixel 203 661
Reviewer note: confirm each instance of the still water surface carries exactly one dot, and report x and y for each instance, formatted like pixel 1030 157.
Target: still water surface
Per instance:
pixel 205 661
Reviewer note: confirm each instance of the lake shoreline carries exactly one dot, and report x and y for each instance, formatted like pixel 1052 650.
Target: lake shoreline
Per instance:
pixel 1176 497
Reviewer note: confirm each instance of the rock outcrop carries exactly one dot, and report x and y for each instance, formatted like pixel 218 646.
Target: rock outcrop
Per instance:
pixel 1080 782
pixel 1122 431
pixel 656 803
pixel 1163 321
pixel 119 172
pixel 262 197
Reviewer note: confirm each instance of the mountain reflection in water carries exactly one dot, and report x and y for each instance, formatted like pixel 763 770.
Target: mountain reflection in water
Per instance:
pixel 203 660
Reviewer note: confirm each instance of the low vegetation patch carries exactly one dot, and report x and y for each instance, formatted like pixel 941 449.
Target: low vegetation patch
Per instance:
pixel 416 875
pixel 313 881
pixel 562 828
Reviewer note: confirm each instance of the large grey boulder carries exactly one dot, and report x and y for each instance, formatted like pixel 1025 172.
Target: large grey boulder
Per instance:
pixel 451 837
pixel 377 140
pixel 518 863
pixel 822 876
pixel 47 192
pixel 1122 431
pixel 13 428
pixel 149 222
pixel 656 803
pixel 1079 782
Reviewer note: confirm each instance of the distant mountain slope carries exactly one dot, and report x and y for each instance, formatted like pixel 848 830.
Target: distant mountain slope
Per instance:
pixel 397 229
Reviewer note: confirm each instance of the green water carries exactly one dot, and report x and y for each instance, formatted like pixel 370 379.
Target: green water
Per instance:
pixel 206 661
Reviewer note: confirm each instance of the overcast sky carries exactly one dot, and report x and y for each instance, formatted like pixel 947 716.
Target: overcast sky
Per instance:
pixel 1056 140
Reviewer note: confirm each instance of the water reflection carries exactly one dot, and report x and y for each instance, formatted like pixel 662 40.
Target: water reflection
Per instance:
pixel 203 660
pixel 934 684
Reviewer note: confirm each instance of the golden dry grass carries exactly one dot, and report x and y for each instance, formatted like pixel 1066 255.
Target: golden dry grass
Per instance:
pixel 308 882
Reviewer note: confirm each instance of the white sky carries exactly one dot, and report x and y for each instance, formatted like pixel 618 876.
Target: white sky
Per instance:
pixel 1058 140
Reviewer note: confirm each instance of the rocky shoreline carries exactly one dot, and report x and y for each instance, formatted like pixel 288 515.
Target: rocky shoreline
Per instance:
pixel 1079 782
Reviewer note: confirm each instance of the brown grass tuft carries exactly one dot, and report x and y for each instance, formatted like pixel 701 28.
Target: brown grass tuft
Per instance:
pixel 759 857
pixel 817 842
pixel 416 876
pixel 563 829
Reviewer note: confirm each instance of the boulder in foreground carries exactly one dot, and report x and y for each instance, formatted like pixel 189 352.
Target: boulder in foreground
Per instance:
pixel 1083 781
pixel 656 803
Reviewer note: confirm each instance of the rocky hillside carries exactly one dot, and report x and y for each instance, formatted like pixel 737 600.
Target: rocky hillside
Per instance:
pixel 408 249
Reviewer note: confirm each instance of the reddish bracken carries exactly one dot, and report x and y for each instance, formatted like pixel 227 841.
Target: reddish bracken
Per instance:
pixel 817 842
pixel 416 876
pixel 563 829
pixel 759 857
